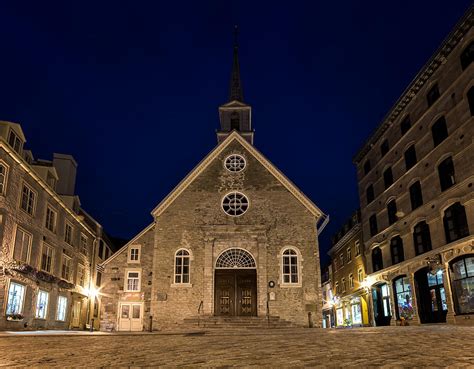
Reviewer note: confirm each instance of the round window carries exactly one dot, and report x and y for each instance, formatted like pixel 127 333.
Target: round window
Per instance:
pixel 235 203
pixel 235 163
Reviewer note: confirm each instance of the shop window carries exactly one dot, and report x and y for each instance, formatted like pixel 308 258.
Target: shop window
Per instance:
pixel 422 238
pixel 61 308
pixel 42 305
pixel 356 313
pixel 403 298
pixel 388 177
pixel 467 56
pixel 373 225
pixel 439 131
pixel 455 223
pixel 405 125
pixel 416 196
pixel 433 95
pixel 384 148
pixel 370 194
pixel 446 174
pixel 462 281
pixel 367 166
pixel 377 262
pixel 410 157
pixel 181 267
pixel 16 296
pixel 392 212
pixel 470 100
pixel 396 250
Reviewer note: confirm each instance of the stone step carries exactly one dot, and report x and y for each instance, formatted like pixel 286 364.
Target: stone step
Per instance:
pixel 253 322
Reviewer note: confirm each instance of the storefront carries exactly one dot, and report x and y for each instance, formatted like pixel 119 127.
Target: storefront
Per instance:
pixel 352 312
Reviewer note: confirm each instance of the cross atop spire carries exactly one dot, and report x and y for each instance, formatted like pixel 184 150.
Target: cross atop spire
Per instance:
pixel 235 90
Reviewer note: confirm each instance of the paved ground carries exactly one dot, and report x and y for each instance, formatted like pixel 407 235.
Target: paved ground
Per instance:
pixel 436 345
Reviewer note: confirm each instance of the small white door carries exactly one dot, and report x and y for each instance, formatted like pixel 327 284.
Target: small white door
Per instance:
pixel 76 314
pixel 130 316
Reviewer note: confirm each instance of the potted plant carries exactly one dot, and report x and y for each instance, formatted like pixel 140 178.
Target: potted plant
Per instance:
pixel 15 317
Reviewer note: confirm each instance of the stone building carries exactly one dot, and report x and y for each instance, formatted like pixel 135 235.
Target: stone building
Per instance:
pixel 46 244
pixel 234 238
pixel 415 177
pixel 350 297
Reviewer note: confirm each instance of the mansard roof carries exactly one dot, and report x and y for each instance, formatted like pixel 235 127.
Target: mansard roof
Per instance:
pixel 235 136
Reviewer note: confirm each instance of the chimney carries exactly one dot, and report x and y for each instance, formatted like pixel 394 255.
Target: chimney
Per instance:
pixel 66 168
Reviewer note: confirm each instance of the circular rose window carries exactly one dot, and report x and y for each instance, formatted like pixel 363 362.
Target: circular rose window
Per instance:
pixel 235 203
pixel 235 163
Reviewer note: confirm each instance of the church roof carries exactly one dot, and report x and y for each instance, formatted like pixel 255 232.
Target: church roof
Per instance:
pixel 235 136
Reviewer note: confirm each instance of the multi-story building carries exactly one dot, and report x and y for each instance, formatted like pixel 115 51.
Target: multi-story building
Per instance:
pixel 350 301
pixel 46 244
pixel 327 297
pixel 415 176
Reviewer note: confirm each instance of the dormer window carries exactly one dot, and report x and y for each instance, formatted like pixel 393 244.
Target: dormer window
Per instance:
pixel 14 141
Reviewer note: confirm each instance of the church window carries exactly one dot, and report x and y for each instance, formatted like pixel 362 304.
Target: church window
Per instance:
pixel 235 203
pixel 290 267
pixel 235 163
pixel 181 268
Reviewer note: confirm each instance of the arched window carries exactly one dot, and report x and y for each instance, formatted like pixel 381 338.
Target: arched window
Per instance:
pixel 392 212
pixel 446 173
pixel 377 262
pixel 405 125
pixel 181 268
pixel 370 194
pixel 403 298
pixel 439 131
pixel 367 166
pixel 384 148
pixel 388 177
pixel 467 56
pixel 421 238
pixel 396 250
pixel 462 281
pixel 410 157
pixel 234 121
pixel 373 225
pixel 416 196
pixel 290 270
pixel 455 223
pixel 470 99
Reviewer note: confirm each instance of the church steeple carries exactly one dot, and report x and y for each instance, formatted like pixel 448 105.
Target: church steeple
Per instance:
pixel 235 115
pixel 235 90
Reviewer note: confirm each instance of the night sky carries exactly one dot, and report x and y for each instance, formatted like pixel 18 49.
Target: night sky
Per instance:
pixel 131 89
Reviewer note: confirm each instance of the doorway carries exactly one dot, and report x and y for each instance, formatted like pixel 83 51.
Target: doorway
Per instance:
pixel 431 296
pixel 76 314
pixel 235 292
pixel 130 316
pixel 381 302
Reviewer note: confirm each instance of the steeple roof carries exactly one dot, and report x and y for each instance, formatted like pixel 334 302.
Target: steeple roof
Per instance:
pixel 235 90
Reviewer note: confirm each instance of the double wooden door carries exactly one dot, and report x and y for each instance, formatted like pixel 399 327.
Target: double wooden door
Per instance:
pixel 235 292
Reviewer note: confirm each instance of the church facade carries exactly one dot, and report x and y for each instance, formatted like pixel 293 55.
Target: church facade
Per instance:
pixel 235 238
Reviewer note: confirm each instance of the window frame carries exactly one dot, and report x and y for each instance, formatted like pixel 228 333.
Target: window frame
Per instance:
pixel 292 253
pixel 351 281
pixel 433 95
pixel 392 211
pixel 396 244
pixel 50 209
pixel 45 315
pixel 17 140
pixel 459 220
pixel 388 180
pixel 69 240
pixel 4 182
pixel 81 267
pixel 51 263
pixel 384 148
pixel 59 305
pixel 379 252
pixel 453 281
pixel 31 191
pixel 410 157
pixel 448 172
pixel 439 131
pixel 130 260
pixel 21 300
pixel 416 195
pixel 424 234
pixel 30 243
pixel 348 255
pixel 84 245
pixel 186 255
pixel 356 248
pixel 127 277
pixel 68 267
pixel 360 275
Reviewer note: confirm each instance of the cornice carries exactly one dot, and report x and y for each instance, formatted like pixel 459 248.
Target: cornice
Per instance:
pixel 438 58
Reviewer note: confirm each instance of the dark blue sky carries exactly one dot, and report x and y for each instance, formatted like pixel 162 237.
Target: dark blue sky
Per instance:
pixel 131 89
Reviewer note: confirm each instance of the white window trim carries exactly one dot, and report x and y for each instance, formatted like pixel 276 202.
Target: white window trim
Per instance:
pixel 71 267
pixel 33 211
pixel 299 259
pixel 133 270
pixel 129 254
pixel 12 253
pixel 5 179
pixel 47 305
pixel 22 299
pixel 52 258
pixel 55 227
pixel 65 309
pixel 191 258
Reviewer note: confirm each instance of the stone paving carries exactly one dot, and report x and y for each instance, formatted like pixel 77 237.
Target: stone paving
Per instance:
pixel 434 346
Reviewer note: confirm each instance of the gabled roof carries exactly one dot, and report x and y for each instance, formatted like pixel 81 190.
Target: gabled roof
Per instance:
pixel 235 136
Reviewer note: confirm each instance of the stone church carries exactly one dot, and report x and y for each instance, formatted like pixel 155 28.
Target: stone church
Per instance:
pixel 235 238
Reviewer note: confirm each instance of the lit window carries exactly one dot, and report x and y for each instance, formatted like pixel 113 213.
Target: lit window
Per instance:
pixel 68 233
pixel 47 258
pixel 16 294
pixel 22 245
pixel 462 280
pixel 181 269
pixel 42 304
pixel 28 198
pixel 360 275
pixel 351 281
pixel 290 267
pixel 51 217
pixel 3 178
pixel 62 308
pixel 235 203
pixel 235 163
pixel 403 298
pixel 133 281
pixel 66 268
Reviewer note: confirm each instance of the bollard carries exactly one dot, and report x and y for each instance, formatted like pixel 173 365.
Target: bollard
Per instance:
pixel 92 325
pixel 310 320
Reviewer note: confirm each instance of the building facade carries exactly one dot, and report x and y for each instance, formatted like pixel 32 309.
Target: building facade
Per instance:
pixel 415 176
pixel 46 245
pixel 327 297
pixel 350 297
pixel 234 239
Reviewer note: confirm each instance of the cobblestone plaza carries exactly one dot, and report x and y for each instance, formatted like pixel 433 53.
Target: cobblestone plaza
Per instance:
pixel 429 345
